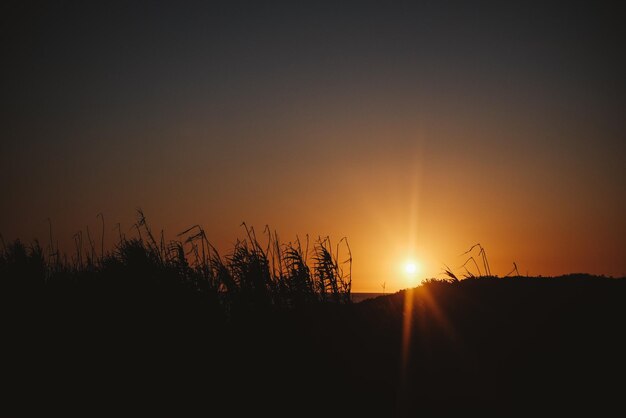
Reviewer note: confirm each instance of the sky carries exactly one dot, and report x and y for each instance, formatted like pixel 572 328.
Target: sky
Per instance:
pixel 415 129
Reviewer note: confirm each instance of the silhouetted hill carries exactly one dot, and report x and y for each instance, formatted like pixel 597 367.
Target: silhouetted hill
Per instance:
pixel 486 344
pixel 510 344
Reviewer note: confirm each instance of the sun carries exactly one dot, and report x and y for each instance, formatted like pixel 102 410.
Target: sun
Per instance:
pixel 410 268
pixel 408 272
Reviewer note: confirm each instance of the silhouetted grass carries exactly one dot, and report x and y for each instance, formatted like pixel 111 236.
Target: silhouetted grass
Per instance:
pixel 251 276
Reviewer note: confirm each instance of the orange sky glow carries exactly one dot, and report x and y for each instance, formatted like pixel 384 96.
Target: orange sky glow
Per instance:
pixel 411 130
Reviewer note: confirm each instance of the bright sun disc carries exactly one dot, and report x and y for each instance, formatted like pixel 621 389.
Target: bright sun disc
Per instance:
pixel 410 268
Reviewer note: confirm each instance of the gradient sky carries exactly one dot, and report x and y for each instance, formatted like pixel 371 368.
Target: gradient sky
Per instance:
pixel 416 130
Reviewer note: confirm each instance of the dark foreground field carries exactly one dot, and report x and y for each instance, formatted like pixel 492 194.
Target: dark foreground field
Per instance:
pixel 498 345
pixel 139 331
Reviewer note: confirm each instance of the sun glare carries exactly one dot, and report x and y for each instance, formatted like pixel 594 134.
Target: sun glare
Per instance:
pixel 411 270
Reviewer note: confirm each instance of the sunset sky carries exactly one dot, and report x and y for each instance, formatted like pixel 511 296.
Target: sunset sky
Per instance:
pixel 414 129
